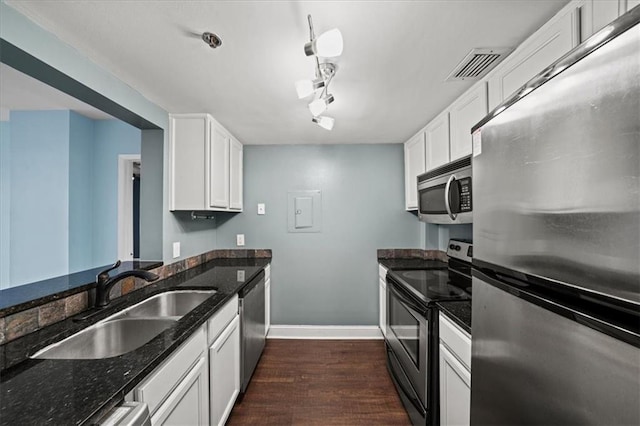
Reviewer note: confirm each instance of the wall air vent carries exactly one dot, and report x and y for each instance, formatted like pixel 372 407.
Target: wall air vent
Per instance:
pixel 477 64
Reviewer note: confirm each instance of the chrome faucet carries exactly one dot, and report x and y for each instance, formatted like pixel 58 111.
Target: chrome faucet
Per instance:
pixel 105 283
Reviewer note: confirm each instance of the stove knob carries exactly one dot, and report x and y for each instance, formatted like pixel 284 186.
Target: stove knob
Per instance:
pixel 457 248
pixel 452 246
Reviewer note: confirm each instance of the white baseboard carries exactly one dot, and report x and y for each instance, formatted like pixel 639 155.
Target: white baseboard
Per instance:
pixel 325 332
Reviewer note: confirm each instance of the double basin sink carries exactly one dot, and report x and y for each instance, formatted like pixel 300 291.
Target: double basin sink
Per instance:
pixel 128 329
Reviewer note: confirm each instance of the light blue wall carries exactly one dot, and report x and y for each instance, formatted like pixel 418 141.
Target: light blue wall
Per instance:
pixel 437 236
pixel 81 192
pixel 23 33
pixel 39 208
pixel 327 278
pixel 111 138
pixel 5 203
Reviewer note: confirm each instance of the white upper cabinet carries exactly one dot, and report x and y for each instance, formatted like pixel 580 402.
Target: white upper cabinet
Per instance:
pixel 235 175
pixel 413 166
pixel 218 180
pixel 464 113
pixel 205 165
pixel 437 141
pixel 552 41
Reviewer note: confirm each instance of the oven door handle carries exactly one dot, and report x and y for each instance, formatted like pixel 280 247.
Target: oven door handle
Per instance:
pixel 447 197
pixel 406 301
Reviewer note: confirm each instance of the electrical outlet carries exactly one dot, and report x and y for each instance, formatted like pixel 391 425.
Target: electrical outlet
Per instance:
pixel 261 208
pixel 240 240
pixel 240 276
pixel 176 249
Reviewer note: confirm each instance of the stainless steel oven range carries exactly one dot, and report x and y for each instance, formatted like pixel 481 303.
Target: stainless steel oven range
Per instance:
pixel 412 327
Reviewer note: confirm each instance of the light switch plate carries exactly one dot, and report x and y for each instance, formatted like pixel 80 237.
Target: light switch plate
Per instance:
pixel 240 240
pixel 261 208
pixel 176 249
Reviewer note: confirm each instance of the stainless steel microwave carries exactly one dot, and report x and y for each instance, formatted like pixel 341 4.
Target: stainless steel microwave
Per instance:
pixel 444 194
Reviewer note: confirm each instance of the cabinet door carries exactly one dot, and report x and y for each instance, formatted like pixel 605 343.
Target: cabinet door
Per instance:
pixel 235 175
pixel 455 390
pixel 466 112
pixel 218 176
pixel 437 140
pixel 187 161
pixel 267 306
pixel 537 53
pixel 188 404
pixel 596 14
pixel 382 293
pixel 413 166
pixel 224 360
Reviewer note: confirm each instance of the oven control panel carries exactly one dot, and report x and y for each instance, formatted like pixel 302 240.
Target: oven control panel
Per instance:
pixel 460 249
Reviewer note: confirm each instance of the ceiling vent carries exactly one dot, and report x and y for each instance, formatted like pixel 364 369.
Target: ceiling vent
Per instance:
pixel 477 63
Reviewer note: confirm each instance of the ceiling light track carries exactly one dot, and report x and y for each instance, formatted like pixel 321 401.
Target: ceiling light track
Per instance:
pixel 328 45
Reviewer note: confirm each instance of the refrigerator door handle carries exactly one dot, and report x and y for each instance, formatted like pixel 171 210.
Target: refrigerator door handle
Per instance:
pixel 447 197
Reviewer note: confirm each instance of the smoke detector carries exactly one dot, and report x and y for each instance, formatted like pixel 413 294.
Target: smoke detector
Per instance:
pixel 478 63
pixel 212 40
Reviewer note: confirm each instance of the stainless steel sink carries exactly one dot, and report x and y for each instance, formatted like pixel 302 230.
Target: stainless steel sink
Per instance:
pixel 129 329
pixel 107 339
pixel 170 304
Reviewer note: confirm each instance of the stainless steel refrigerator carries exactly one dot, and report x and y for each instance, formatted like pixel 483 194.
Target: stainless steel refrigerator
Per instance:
pixel 556 280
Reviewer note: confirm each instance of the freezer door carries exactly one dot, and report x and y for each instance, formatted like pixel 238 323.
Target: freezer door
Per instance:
pixel 533 366
pixel 557 176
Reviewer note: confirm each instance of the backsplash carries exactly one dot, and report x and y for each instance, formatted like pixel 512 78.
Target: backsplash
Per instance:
pixel 412 253
pixel 54 309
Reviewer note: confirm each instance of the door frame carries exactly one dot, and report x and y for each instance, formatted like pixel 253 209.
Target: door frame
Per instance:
pixel 125 205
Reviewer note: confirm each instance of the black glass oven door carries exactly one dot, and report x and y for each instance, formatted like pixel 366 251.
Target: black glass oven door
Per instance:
pixel 406 328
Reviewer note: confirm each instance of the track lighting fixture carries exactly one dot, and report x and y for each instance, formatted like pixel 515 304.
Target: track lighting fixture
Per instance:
pixel 327 45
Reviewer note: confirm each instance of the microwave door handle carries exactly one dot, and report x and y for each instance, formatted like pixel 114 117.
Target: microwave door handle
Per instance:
pixel 447 197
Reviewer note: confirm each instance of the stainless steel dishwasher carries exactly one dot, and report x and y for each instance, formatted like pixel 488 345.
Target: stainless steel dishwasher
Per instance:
pixel 252 328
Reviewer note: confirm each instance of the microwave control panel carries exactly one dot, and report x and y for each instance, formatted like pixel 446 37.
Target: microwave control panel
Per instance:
pixel 465 194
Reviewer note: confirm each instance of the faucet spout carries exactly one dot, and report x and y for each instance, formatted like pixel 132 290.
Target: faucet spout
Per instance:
pixel 104 283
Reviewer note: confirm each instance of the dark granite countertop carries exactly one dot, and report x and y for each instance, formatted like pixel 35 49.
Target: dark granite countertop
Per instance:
pixel 81 391
pixel 459 312
pixel 411 263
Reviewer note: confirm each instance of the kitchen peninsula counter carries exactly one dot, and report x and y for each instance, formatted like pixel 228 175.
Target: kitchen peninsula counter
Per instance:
pixel 55 391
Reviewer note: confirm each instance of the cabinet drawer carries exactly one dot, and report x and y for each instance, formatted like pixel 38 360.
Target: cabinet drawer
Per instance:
pixel 219 321
pixel 155 389
pixel 382 272
pixel 456 339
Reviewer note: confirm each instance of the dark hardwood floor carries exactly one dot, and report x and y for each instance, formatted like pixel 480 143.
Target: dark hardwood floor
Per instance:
pixel 321 382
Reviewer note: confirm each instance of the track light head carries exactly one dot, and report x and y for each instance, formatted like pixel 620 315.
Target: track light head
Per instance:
pixel 324 122
pixel 318 106
pixel 327 45
pixel 305 88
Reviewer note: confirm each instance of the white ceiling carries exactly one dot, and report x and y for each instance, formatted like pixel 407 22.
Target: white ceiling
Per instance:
pixel 390 80
pixel 20 92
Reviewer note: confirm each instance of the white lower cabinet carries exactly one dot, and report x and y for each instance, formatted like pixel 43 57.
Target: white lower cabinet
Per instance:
pixel 382 295
pixel 177 392
pixel 224 372
pixel 455 374
pixel 199 383
pixel 188 403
